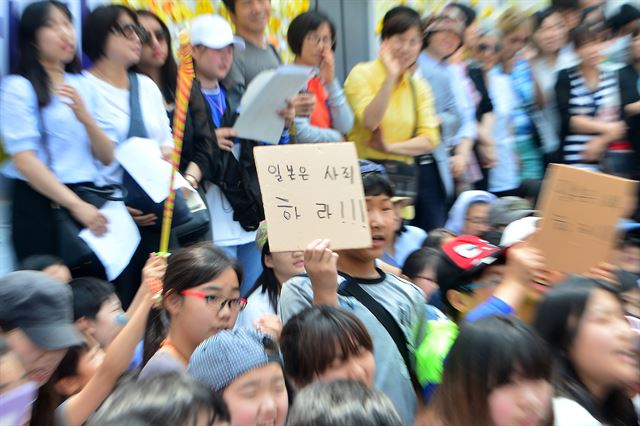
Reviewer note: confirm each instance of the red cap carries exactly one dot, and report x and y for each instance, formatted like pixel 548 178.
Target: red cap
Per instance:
pixel 463 258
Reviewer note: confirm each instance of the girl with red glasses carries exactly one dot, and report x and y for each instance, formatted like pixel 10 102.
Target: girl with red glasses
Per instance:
pixel 200 297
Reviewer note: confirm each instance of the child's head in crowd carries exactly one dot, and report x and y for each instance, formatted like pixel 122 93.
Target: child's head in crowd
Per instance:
pixel 378 192
pixel 501 371
pixel 76 369
pixel 421 269
pixel 326 343
pixel 171 399
pixel 50 265
pixel 96 309
pixel 438 237
pixel 36 318
pixel 342 402
pixel 245 367
pixel 200 295
pixel 213 55
pixel 467 274
pixel 277 267
pixel 582 320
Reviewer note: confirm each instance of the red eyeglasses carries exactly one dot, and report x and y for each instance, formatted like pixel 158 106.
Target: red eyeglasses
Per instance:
pixel 234 304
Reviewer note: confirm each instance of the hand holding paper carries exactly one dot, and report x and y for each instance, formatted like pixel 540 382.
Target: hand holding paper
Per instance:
pixel 266 94
pixel 116 247
pixel 144 161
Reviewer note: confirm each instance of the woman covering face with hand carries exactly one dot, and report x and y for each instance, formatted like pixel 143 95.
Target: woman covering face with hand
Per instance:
pixel 394 113
pixel 311 37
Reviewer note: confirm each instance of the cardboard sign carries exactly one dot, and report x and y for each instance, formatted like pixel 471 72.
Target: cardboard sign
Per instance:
pixel 580 211
pixel 313 191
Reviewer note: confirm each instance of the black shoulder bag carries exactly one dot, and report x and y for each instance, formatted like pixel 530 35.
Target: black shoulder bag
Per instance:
pixel 138 198
pixel 349 287
pixel 72 249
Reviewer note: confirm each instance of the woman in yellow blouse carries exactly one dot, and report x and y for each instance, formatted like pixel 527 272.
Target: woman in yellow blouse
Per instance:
pixel 395 118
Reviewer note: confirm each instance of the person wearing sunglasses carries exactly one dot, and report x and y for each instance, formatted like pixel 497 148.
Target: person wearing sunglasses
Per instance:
pixel 200 297
pixel 158 62
pixel 311 37
pixel 112 39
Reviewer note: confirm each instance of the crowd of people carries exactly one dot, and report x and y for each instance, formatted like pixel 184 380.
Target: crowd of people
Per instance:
pixel 451 317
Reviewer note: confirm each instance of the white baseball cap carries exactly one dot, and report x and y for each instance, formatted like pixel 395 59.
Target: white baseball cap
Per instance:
pixel 519 230
pixel 214 32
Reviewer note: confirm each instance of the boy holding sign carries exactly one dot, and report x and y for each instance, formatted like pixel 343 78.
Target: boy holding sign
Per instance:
pixel 391 308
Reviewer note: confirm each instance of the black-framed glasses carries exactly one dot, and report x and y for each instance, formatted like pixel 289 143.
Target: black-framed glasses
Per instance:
pixel 148 36
pixel 130 31
pixel 317 40
pixel 216 301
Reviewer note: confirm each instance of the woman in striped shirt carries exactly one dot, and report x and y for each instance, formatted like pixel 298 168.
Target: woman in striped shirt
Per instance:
pixel 589 102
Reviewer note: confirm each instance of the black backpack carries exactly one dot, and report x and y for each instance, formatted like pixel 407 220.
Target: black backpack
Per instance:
pixel 237 178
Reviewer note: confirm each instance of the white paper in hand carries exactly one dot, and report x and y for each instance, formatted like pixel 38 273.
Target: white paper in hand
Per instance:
pixel 267 93
pixel 116 247
pixel 143 160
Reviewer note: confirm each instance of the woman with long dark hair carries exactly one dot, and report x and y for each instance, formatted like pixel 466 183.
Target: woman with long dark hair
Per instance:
pixel 501 371
pixel 158 63
pixel 46 116
pixel 582 320
pixel 112 39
